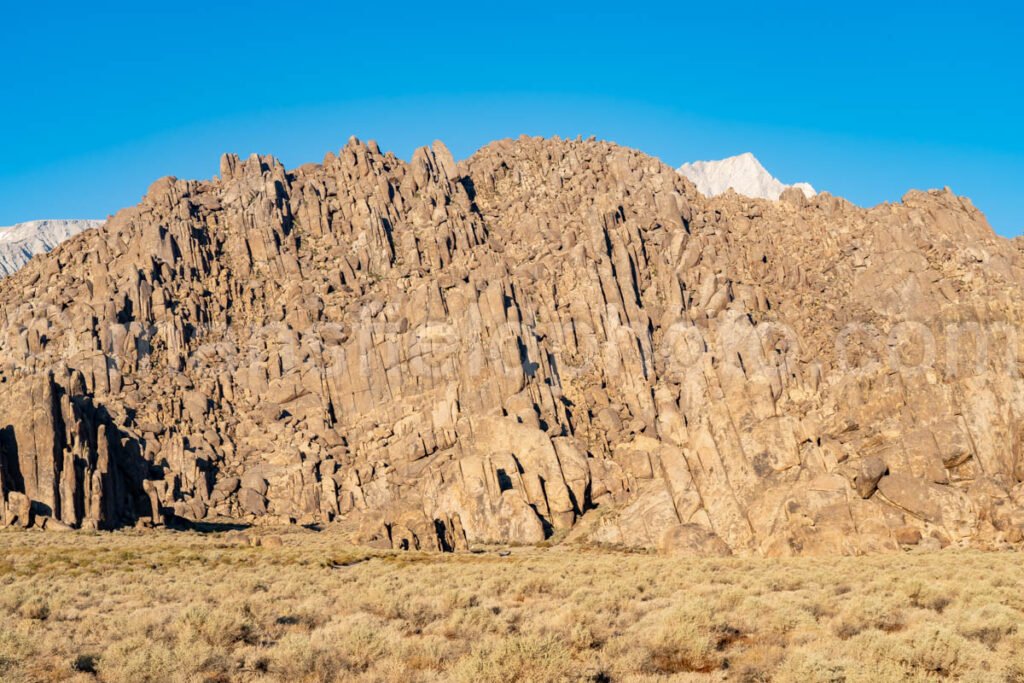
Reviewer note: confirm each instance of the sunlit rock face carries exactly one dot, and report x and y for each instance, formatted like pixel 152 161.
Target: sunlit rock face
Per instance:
pixel 550 337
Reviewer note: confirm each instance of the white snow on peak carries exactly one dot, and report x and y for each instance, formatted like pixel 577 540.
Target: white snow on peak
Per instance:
pixel 19 243
pixel 743 173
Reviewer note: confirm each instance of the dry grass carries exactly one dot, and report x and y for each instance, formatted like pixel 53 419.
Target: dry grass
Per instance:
pixel 171 606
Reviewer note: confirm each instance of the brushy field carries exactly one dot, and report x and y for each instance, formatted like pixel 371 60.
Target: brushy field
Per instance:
pixel 182 606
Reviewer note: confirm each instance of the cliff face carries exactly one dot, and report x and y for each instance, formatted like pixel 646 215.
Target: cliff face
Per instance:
pixel 550 337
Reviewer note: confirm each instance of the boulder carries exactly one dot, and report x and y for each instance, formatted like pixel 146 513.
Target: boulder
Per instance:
pixel 692 540
pixel 907 535
pixel 869 472
pixel 19 510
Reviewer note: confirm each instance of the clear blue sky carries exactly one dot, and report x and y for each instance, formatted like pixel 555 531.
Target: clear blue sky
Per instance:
pixel 863 99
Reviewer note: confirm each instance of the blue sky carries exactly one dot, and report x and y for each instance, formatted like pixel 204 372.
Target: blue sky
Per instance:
pixel 863 99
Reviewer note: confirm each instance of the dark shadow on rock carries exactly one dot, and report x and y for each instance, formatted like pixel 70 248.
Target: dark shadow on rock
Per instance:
pixel 204 527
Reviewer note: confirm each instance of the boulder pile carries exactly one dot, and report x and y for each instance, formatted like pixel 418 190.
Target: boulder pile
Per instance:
pixel 550 338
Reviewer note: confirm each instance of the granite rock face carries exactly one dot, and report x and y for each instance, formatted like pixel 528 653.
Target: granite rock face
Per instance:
pixel 62 461
pixel 551 338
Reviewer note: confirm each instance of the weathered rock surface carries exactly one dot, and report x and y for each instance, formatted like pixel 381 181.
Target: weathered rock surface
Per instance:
pixel 62 460
pixel 549 338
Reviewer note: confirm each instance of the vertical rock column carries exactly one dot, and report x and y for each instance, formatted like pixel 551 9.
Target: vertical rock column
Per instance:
pixel 56 459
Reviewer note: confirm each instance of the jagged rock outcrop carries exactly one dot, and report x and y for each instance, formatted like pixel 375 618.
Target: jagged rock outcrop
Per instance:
pixel 551 337
pixel 62 461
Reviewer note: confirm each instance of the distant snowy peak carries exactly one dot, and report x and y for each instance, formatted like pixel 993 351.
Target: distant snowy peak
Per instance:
pixel 743 173
pixel 21 242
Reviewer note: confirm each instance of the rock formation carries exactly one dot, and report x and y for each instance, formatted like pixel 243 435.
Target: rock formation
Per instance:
pixel 19 243
pixel 743 174
pixel 62 461
pixel 551 338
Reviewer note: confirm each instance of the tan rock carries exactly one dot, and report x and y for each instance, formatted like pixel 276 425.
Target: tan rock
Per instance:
pixel 692 540
pixel 271 541
pixel 19 510
pixel 870 471
pixel 907 535
pixel 912 495
pixel 550 337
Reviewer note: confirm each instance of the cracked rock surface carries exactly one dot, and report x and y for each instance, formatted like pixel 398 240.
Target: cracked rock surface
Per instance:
pixel 550 338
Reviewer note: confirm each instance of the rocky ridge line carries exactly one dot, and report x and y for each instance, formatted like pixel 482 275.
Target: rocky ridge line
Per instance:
pixel 551 338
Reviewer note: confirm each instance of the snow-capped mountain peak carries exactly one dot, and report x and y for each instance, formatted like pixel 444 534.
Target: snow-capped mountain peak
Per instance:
pixel 743 173
pixel 19 243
